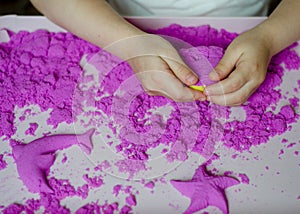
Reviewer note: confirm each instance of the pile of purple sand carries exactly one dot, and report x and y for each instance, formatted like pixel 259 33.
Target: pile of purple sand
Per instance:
pixel 140 130
pixel 42 68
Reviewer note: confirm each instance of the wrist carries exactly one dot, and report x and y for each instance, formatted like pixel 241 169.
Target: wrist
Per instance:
pixel 266 35
pixel 136 45
pixel 124 31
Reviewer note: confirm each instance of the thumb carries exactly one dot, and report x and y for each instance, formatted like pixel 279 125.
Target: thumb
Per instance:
pixel 182 71
pixel 226 65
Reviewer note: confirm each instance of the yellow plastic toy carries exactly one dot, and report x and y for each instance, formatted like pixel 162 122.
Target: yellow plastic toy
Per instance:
pixel 198 87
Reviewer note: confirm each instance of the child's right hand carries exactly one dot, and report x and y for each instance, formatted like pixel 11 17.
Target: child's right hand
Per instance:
pixel 242 69
pixel 159 67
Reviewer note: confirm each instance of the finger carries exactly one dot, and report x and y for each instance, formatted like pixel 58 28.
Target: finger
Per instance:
pixel 226 64
pixel 236 98
pixel 195 96
pixel 166 84
pixel 183 94
pixel 236 80
pixel 181 70
pixel 147 63
pixel 178 92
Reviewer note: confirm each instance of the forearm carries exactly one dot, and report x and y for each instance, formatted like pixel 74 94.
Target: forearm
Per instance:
pixel 92 20
pixel 282 28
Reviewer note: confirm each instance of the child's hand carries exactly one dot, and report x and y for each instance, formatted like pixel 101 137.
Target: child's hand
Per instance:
pixel 159 67
pixel 241 70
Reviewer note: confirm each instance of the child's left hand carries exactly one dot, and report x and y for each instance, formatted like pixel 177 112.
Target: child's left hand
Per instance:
pixel 241 70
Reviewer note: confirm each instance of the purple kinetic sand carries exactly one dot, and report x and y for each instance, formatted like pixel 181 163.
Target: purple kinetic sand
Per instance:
pixel 43 68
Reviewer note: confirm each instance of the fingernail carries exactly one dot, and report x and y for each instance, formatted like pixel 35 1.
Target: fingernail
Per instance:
pixel 191 78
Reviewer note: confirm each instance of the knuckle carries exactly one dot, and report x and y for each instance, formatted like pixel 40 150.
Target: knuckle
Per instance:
pixel 253 68
pixel 232 48
pixel 236 84
pixel 156 79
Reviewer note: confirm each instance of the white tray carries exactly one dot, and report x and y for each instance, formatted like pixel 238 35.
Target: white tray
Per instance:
pixel 268 191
